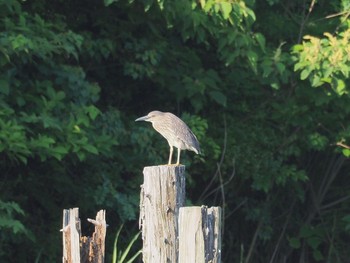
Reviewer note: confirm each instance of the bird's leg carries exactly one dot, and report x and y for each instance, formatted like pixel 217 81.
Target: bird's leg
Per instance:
pixel 170 155
pixel 178 156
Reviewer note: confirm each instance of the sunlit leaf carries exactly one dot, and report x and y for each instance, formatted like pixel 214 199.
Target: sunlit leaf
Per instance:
pixel 226 8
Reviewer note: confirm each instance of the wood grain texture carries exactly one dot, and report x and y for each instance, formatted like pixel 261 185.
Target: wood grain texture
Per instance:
pixel 200 234
pixel 162 194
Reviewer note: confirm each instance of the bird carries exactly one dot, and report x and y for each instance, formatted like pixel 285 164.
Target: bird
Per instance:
pixel 174 130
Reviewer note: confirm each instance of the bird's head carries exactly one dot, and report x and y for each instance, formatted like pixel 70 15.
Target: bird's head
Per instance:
pixel 152 116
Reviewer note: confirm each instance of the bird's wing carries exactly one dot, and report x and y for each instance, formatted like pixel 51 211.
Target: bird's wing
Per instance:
pixel 184 133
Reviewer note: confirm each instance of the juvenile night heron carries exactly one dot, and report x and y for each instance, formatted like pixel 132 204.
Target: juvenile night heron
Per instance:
pixel 174 130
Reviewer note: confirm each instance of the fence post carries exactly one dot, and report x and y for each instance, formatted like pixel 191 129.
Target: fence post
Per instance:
pixel 200 234
pixel 162 194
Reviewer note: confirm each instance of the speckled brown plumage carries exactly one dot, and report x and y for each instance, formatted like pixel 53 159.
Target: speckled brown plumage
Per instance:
pixel 174 130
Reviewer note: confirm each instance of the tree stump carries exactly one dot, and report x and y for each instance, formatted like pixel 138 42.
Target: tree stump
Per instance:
pixel 162 194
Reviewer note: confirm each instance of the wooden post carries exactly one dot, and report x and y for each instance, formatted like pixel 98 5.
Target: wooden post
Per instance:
pixel 77 249
pixel 200 234
pixel 93 248
pixel 162 194
pixel 71 236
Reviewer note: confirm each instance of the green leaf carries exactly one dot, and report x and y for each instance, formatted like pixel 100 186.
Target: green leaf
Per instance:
pixel 316 81
pixel 317 255
pixel 50 122
pixel 346 218
pixel 127 250
pixel 11 206
pixel 90 148
pixel 318 141
pixel 123 256
pixel 261 41
pixel 281 68
pixel 22 158
pixel 133 258
pixel 305 73
pixel 251 14
pixel 148 4
pixel 60 95
pixel 306 231
pixel 109 2
pixel 226 8
pixel 42 141
pixel 59 152
pixel 81 155
pixel 346 152
pixel 4 86
pixel 93 111
pixel 275 85
pixel 253 60
pixel 294 242
pixel 20 101
pixel 115 246
pixel 298 66
pixel 340 87
pixel 219 97
pixel 76 129
pixel 208 5
pixel 314 242
pixel 298 48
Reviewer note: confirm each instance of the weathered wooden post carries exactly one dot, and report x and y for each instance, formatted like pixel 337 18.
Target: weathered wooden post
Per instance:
pixel 162 194
pixel 71 236
pixel 200 234
pixel 77 249
pixel 93 248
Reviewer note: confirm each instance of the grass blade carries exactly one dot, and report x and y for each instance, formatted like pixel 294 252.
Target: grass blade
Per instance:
pixel 115 248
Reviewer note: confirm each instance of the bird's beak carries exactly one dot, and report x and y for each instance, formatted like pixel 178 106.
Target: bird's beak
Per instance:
pixel 144 118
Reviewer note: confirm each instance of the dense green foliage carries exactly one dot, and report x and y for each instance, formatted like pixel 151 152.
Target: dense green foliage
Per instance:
pixel 263 84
